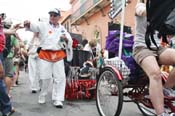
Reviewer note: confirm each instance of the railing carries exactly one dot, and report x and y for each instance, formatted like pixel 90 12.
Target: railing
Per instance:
pixel 84 8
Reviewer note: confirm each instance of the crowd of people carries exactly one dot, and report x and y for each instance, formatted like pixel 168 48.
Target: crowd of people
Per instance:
pixel 10 48
pixel 50 45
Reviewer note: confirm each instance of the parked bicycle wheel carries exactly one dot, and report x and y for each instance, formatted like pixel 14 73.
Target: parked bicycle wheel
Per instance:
pixel 109 99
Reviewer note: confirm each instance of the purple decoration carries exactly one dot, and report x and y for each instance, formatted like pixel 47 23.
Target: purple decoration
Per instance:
pixel 112 45
pixel 113 32
pixel 113 38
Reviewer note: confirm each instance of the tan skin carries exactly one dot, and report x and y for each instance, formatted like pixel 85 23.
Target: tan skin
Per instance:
pixel 1 71
pixel 12 30
pixel 22 53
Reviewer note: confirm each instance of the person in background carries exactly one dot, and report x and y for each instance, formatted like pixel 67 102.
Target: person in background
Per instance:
pixel 54 38
pixel 11 48
pixel 23 53
pixel 84 42
pixel 150 62
pixel 93 47
pixel 20 60
pixel 32 63
pixel 5 104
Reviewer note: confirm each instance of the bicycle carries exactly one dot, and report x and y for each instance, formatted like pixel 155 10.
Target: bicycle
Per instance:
pixel 113 89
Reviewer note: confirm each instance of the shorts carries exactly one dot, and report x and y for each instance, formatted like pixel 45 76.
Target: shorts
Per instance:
pixel 8 67
pixel 139 53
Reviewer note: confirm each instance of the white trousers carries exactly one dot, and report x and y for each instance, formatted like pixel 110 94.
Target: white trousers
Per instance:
pixel 55 70
pixel 33 73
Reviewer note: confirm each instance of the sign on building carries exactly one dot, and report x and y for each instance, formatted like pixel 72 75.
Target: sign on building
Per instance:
pixel 116 7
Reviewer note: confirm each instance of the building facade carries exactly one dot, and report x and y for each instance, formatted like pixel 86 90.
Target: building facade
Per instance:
pixel 90 18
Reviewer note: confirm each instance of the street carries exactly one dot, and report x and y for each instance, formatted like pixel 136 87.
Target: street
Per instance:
pixel 26 104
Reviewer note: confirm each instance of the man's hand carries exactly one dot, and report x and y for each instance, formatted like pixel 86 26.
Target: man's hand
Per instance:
pixel 27 24
pixel 63 36
pixel 10 31
pixel 18 26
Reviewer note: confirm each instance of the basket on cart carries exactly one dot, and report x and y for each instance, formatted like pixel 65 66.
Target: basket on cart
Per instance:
pixel 118 64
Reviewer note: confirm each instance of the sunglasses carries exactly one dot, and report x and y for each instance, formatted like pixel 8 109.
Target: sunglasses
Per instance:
pixel 53 15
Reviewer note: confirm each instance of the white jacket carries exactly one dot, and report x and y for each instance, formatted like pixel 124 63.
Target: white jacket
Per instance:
pixel 50 37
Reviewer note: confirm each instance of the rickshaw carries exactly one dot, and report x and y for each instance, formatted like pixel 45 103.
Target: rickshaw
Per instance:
pixel 116 86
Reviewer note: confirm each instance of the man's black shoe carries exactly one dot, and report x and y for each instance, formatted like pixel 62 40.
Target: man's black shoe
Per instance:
pixel 59 106
pixel 34 91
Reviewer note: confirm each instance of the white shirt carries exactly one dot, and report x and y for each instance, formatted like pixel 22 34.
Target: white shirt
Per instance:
pixel 88 48
pixel 50 35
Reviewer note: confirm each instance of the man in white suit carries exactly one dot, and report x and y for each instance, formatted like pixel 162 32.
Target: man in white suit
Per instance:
pixel 53 39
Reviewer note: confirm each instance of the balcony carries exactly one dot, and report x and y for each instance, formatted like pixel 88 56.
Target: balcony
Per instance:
pixel 87 9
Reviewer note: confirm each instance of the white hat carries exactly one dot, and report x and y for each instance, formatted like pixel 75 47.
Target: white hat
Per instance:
pixel 56 11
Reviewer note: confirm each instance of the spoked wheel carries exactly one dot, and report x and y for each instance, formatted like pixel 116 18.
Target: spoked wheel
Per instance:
pixel 146 111
pixel 109 99
pixel 145 105
pixel 149 111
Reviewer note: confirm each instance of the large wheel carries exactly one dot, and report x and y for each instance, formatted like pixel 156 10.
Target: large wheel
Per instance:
pixel 109 99
pixel 146 111
pixel 145 105
pixel 149 111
